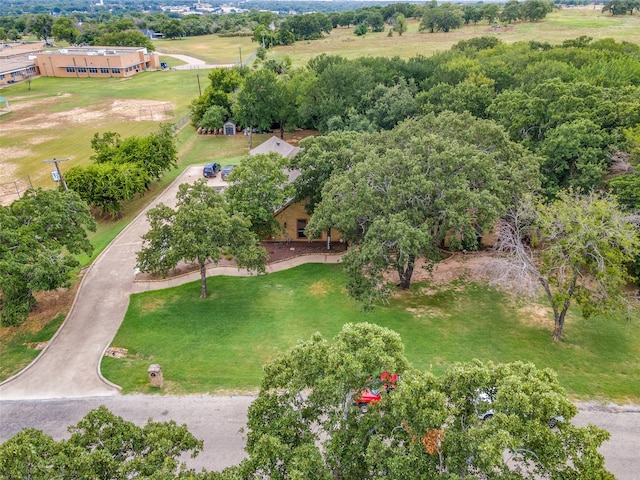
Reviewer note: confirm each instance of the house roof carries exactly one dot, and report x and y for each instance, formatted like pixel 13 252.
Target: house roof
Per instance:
pixel 275 144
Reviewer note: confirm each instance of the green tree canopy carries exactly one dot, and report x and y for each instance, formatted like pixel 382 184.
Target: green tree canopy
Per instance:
pixel 63 29
pixel 155 153
pixel 321 157
pixel 259 186
pixel 586 244
pixel 173 28
pixel 260 100
pixel 305 424
pixel 105 186
pixel 129 38
pixel 39 235
pixel 445 17
pixel 102 445
pixel 425 179
pixel 40 25
pixel 200 229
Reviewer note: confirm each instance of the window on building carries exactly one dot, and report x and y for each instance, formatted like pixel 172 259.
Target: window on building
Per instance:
pixel 302 224
pixel 71 69
pixel 104 70
pixel 82 69
pixel 115 70
pixel 93 70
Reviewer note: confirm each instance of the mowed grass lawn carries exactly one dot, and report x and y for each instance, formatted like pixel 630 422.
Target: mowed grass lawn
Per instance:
pixel 213 49
pixel 219 344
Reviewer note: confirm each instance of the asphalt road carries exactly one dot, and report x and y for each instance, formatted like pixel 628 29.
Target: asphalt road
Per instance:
pixel 218 421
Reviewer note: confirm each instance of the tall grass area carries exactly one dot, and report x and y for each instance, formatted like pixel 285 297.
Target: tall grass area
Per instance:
pixel 559 25
pixel 219 344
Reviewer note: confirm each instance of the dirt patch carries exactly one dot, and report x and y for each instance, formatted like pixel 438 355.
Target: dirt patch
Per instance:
pixel 40 139
pixel 319 289
pixel 32 117
pixel 471 266
pixel 116 352
pixel 427 312
pixel 536 315
pixel 153 305
pixel 19 106
pixel 50 305
pixel 11 153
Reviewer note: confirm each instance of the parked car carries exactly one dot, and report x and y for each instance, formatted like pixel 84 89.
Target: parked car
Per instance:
pixel 373 393
pixel 226 171
pixel 210 170
pixel 485 397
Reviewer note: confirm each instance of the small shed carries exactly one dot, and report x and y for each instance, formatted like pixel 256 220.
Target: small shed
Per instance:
pixel 229 128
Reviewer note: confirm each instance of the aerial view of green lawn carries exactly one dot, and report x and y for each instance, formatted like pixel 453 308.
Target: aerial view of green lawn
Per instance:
pixel 219 344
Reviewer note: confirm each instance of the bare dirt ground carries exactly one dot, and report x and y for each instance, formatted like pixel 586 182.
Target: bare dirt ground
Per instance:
pixel 50 305
pixel 30 114
pixel 472 266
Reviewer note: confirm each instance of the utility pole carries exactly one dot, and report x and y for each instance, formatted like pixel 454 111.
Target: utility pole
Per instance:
pixel 199 89
pixel 55 161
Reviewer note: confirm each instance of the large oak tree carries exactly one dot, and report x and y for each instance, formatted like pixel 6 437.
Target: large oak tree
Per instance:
pixel 304 423
pixel 39 236
pixel 201 229
pixel 429 178
pixel 101 445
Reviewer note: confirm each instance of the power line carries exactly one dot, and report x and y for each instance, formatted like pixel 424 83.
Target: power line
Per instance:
pixel 55 161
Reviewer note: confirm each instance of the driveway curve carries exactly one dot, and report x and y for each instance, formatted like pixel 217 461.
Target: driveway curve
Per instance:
pixel 69 366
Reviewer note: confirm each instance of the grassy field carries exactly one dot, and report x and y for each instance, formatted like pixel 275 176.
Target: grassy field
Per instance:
pixel 219 344
pixel 18 346
pixel 558 26
pixel 59 116
pixel 213 49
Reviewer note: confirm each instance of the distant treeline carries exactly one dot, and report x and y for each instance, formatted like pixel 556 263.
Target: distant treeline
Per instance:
pixel 128 28
pixel 278 22
pixel 65 7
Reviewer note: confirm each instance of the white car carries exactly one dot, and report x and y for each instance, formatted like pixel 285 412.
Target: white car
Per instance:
pixel 484 398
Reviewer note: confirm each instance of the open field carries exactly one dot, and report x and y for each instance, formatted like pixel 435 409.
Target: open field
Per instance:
pixel 59 116
pixel 560 25
pixel 213 49
pixel 219 344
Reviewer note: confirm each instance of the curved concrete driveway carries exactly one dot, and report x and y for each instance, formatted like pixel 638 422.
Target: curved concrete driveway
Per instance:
pixel 69 367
